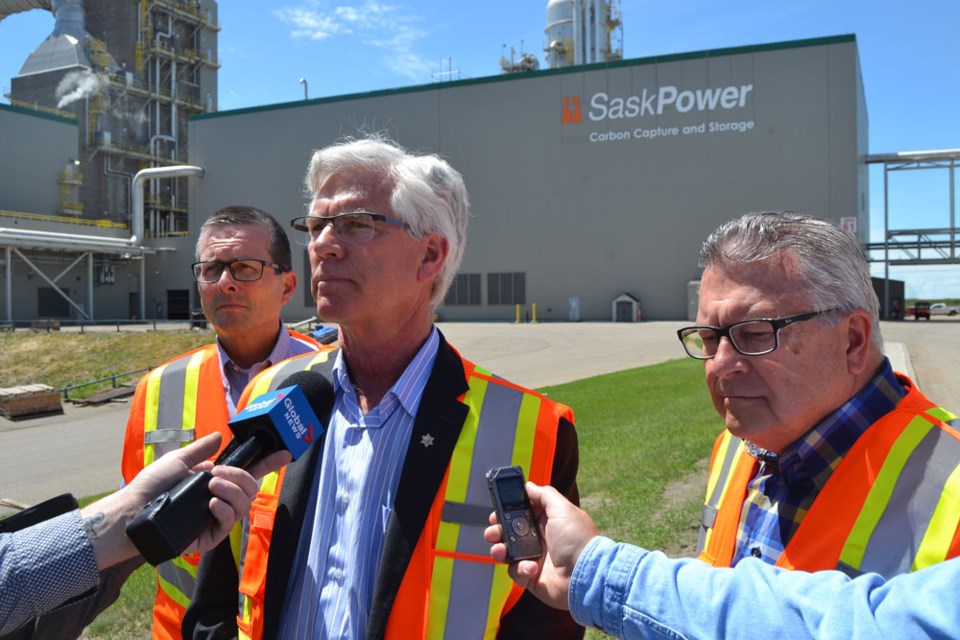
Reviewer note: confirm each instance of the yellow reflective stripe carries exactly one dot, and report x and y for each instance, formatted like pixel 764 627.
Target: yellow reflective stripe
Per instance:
pixel 172 590
pixel 943 525
pixel 269 482
pixel 941 414
pixel 524 439
pixel 150 406
pixel 178 579
pixel 440 583
pixel 722 471
pixel 502 585
pixel 236 537
pixel 448 533
pixel 247 607
pixel 191 388
pixel 881 490
pixel 718 466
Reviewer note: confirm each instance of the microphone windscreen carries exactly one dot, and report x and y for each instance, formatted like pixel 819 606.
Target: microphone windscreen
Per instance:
pixel 317 389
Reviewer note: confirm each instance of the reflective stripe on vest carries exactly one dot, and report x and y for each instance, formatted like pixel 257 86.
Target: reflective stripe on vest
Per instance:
pixel 171 406
pixel 917 483
pixel 322 362
pixel 178 577
pixel 731 450
pixel 467 590
pixel 169 419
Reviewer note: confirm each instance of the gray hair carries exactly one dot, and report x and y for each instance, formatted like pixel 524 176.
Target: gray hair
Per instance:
pixel 236 215
pixel 832 271
pixel 428 193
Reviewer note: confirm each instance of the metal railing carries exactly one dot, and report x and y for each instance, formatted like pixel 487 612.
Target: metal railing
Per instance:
pixel 112 379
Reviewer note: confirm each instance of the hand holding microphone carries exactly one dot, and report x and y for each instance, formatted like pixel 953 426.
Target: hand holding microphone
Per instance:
pixel 288 419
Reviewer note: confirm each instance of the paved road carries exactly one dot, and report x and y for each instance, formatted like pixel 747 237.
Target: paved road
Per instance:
pixel 80 450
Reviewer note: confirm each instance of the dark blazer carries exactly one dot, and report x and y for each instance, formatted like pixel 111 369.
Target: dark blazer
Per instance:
pixel 213 611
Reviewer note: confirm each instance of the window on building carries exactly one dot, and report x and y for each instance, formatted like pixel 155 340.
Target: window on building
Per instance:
pixel 506 288
pixel 465 291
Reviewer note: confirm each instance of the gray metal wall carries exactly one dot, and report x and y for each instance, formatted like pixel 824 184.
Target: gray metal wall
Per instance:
pixel 587 210
pixel 35 148
pixel 595 208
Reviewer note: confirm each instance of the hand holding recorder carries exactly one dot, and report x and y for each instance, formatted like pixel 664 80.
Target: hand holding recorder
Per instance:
pixel 564 531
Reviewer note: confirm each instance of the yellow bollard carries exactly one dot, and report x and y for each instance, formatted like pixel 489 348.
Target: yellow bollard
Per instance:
pixel 534 317
pixel 517 321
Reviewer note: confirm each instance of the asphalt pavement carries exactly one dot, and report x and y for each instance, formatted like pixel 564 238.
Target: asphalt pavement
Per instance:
pixel 79 451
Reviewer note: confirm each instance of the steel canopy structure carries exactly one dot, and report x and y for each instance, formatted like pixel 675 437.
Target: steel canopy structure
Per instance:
pixel 905 247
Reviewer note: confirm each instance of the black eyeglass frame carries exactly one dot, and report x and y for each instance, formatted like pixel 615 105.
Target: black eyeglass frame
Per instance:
pixel 228 265
pixel 724 332
pixel 300 223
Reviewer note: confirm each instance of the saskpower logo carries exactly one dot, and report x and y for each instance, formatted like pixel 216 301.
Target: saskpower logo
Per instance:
pixel 656 102
pixel 571 110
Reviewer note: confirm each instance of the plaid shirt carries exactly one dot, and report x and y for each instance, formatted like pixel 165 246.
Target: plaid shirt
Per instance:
pixel 785 486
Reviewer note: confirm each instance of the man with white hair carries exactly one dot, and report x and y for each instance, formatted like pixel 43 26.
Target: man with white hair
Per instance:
pixel 378 531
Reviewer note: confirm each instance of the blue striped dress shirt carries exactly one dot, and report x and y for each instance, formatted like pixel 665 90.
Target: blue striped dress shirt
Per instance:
pixel 330 588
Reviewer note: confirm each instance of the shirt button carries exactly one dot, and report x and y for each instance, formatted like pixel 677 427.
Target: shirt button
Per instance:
pixel 755 552
pixel 344 500
pixel 337 576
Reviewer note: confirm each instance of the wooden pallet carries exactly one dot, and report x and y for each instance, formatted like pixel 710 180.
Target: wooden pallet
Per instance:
pixel 29 400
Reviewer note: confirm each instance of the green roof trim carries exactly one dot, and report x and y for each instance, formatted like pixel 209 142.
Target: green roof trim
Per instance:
pixel 37 114
pixel 632 62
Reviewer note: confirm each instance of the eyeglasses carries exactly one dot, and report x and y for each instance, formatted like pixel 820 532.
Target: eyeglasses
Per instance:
pixel 749 337
pixel 242 269
pixel 356 226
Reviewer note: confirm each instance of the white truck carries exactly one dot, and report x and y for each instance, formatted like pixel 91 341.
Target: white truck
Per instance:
pixel 943 309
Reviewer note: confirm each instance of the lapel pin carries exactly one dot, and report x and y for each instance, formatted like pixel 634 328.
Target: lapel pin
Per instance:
pixel 426 441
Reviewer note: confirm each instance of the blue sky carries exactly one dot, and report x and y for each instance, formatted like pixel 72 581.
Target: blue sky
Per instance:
pixel 909 54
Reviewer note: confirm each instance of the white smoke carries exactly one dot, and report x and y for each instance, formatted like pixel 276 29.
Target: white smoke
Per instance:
pixel 79 84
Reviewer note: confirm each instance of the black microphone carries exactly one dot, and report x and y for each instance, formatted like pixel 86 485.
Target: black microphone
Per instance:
pixel 291 418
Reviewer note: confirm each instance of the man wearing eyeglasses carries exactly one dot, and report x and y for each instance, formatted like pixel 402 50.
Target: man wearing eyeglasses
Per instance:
pixel 830 463
pixel 830 459
pixel 244 278
pixel 377 532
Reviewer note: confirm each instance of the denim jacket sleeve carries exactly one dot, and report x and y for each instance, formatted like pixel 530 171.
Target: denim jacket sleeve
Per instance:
pixel 632 593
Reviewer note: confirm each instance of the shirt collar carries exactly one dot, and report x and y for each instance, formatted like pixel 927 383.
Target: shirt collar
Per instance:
pixel 819 452
pixel 278 353
pixel 408 389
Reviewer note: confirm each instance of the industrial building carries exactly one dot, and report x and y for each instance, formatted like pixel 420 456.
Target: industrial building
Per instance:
pixel 592 184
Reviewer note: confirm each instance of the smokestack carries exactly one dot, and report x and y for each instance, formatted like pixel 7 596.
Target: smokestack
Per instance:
pixel 64 48
pixel 71 17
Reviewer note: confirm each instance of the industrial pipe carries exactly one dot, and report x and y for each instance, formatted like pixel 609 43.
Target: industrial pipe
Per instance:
pixel 136 222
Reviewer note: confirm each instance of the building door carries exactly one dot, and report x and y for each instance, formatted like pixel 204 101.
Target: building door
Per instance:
pixel 178 304
pixel 52 303
pixel 624 311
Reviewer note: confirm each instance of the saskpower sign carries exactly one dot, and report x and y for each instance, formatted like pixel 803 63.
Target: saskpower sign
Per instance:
pixel 637 117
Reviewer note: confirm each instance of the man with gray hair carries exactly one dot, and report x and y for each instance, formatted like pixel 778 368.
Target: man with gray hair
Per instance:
pixel 830 459
pixel 830 463
pixel 378 530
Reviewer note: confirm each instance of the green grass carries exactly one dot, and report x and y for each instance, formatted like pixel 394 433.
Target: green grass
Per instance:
pixel 61 359
pixel 130 617
pixel 644 434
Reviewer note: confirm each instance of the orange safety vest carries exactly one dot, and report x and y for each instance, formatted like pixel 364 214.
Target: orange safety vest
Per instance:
pixel 891 506
pixel 176 403
pixel 450 573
